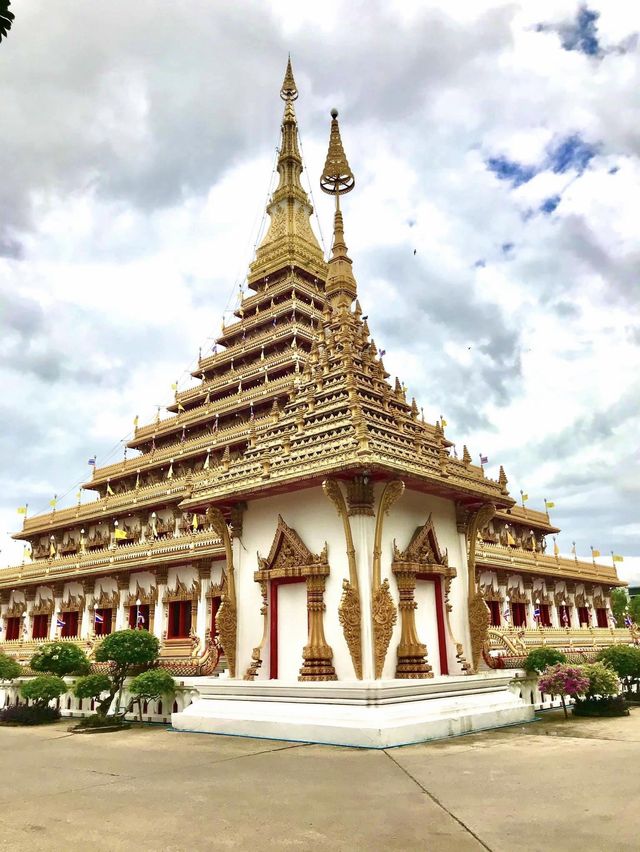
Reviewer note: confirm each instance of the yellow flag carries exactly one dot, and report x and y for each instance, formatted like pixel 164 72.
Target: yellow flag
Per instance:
pixel 170 471
pixel 556 549
pixel 444 422
pixel 525 497
pixel 135 422
pixel 120 535
pixel 174 386
pixel 53 502
pixel 109 490
pixel 618 558
pixel 194 522
pixel 22 510
pixel 510 539
pixel 180 407
pixel 595 553
pixel 549 504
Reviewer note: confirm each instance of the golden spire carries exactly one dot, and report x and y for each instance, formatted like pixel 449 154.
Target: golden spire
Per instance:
pixel 289 239
pixel 337 179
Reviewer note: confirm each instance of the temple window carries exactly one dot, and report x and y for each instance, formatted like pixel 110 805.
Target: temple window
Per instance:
pixel 601 617
pixel 70 626
pixel 179 619
pixel 139 617
pixel 519 614
pixel 215 606
pixel 102 621
pixel 13 628
pixel 564 615
pixel 40 626
pixel 583 616
pixel 494 613
pixel 545 615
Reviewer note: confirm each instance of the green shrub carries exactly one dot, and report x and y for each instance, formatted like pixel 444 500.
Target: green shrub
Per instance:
pixel 150 686
pixel 538 659
pixel 34 714
pixel 92 686
pixel 563 679
pixel 60 658
pixel 43 689
pixel 100 721
pixel 603 681
pixel 612 705
pixel 9 668
pixel 625 661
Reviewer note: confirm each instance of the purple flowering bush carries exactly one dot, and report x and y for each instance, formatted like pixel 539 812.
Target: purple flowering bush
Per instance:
pixel 564 679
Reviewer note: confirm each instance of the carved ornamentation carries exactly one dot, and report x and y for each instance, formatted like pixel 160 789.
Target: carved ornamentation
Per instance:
pixel 384 616
pixel 383 610
pixel 290 557
pixel 148 597
pixel 43 607
pixel 360 496
pixel 256 654
pixel 477 608
pixel 227 618
pixel 349 610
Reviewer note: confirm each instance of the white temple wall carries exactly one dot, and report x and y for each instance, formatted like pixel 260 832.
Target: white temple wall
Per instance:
pixel 410 512
pixel 316 520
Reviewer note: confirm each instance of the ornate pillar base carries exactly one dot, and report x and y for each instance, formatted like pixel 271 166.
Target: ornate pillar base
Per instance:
pixel 318 663
pixel 412 662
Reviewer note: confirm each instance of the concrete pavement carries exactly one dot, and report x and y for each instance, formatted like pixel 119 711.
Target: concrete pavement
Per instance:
pixel 545 786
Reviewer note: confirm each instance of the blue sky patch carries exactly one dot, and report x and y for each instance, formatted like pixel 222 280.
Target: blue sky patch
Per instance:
pixel 550 204
pixel 510 170
pixel 582 35
pixel 571 153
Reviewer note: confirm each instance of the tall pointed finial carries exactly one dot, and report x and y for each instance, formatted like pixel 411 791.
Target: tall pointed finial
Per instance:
pixel 337 179
pixel 289 90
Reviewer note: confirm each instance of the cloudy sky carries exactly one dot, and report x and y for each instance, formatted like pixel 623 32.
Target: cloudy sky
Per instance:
pixel 494 227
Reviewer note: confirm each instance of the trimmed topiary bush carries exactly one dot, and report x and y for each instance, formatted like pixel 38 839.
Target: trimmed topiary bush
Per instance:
pixel 540 658
pixel 564 680
pixel 9 668
pixel 92 686
pixel 612 705
pixel 43 689
pixel 603 681
pixel 151 686
pixel 126 650
pixel 60 658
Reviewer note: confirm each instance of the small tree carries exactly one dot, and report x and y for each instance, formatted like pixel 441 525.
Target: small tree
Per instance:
pixel 151 686
pixel 538 659
pixel 126 650
pixel 60 658
pixel 43 689
pixel 619 604
pixel 603 681
pixel 9 668
pixel 562 680
pixel 92 686
pixel 625 661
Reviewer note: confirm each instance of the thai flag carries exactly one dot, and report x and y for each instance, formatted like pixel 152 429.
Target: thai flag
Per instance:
pixel 507 614
pixel 140 618
pixel 99 618
pixel 60 622
pixel 92 461
pixel 628 621
pixel 536 612
pixel 484 459
pixel 613 619
pixel 381 352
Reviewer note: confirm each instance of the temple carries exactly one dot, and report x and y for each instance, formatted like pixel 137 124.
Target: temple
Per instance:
pixel 315 559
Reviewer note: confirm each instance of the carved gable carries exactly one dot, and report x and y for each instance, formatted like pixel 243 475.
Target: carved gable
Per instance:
pixel 290 557
pixel 423 549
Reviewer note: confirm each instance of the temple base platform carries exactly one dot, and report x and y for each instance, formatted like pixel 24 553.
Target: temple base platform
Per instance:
pixel 366 714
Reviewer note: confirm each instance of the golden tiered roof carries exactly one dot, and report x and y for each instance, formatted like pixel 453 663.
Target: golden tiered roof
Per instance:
pixel 294 390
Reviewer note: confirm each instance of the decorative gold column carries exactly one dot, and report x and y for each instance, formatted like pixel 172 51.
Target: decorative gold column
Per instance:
pixel 318 656
pixel 256 654
pixel 412 653
pixel 478 611
pixel 227 618
pixel 383 610
pixel 349 612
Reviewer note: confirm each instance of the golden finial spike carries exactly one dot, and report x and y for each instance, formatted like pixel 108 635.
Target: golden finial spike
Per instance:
pixel 289 90
pixel 337 177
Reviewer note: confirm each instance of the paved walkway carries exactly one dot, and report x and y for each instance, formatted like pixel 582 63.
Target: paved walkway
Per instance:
pixel 550 785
